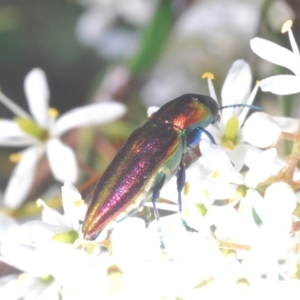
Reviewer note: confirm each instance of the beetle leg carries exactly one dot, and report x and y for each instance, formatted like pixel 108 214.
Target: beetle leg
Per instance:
pixel 194 136
pixel 180 185
pixel 208 134
pixel 159 184
pixel 148 215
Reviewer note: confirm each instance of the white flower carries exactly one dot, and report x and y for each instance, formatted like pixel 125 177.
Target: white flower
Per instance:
pixel 273 240
pixel 212 176
pixel 235 90
pixel 33 283
pixel 51 249
pixel 41 133
pixel 280 84
pixel 183 270
pixel 22 286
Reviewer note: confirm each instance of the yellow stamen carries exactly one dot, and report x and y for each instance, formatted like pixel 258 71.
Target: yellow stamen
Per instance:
pixel 286 26
pixel 53 112
pixel 15 157
pixel 186 188
pixel 257 82
pixel 208 75
pixel 214 174
pixel 228 144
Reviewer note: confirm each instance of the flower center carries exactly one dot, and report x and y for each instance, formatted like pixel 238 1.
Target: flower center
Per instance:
pixel 66 237
pixel 31 128
pixel 48 278
pixel 231 133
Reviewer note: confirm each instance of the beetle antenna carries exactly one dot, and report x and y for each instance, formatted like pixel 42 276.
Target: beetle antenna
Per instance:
pixel 242 105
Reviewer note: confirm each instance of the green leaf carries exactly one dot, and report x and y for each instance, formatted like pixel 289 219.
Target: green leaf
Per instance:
pixel 154 39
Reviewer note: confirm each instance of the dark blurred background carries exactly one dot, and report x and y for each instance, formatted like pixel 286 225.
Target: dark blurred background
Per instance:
pixel 37 33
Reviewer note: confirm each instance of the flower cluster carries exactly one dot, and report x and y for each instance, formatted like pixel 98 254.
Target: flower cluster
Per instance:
pixel 240 195
pixel 41 134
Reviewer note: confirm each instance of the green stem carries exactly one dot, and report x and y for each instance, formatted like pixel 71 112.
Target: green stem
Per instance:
pixel 154 39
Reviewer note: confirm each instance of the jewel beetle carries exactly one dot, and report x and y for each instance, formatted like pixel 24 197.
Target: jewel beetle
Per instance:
pixel 151 156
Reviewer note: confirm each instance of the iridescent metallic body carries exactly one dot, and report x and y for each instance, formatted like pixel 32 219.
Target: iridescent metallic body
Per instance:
pixel 148 159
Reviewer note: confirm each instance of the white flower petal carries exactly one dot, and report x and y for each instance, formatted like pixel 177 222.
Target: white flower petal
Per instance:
pixel 281 84
pixel 89 115
pixel 14 254
pixel 280 200
pixel 236 88
pixel 169 191
pixel 20 182
pixel 207 191
pixel 37 93
pixel 20 142
pixel 6 223
pixel 219 217
pixel 34 232
pixel 42 291
pixel 10 129
pixel 275 54
pixel 245 110
pixel 52 217
pixel 260 168
pixel 237 156
pixel 261 130
pixel 287 124
pixel 59 260
pixel 74 206
pixel 219 163
pixel 69 195
pixel 12 135
pixel 127 239
pixel 10 287
pixel 62 161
